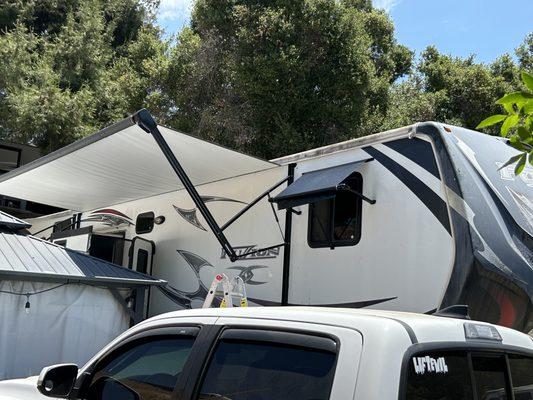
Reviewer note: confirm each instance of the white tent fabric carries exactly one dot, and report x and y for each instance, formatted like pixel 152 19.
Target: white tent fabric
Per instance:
pixel 122 164
pixel 67 324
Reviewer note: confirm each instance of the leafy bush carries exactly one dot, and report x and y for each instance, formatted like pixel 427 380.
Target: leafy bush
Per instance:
pixel 517 123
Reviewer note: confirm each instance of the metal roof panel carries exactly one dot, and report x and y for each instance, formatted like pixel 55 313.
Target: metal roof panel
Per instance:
pixel 25 257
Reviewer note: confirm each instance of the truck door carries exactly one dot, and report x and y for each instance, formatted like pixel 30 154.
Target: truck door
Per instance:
pixel 259 359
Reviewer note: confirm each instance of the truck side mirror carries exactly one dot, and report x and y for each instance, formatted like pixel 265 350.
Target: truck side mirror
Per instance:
pixel 57 380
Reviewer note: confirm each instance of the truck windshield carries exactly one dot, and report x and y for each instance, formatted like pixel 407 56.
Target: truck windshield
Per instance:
pixel 469 375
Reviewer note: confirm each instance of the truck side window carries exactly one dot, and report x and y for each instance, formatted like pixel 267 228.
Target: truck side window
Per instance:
pixel 437 376
pixel 522 377
pixel 337 221
pixel 468 375
pixel 246 370
pixel 146 369
pixel 490 377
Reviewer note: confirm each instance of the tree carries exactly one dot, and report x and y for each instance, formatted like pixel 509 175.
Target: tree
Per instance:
pixel 282 76
pixel 454 90
pixel 71 67
pixel 524 52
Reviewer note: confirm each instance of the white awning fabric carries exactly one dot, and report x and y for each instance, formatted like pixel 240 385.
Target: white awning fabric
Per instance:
pixel 119 164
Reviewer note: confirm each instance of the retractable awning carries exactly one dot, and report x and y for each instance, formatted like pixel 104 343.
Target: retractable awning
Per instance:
pixel 123 163
pixel 317 185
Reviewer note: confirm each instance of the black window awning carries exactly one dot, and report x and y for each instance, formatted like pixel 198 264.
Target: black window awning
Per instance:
pixel 317 185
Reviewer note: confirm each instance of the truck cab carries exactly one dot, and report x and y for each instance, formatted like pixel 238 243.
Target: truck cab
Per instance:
pixel 297 353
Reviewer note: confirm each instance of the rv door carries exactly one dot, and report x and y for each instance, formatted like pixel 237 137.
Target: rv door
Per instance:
pixel 141 255
pixel 75 239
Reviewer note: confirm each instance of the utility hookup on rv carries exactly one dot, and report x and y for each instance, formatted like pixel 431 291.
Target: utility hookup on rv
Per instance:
pixel 417 218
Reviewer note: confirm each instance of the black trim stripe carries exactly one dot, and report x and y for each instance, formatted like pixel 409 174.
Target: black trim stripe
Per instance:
pixel 431 200
pixel 354 304
pixel 418 151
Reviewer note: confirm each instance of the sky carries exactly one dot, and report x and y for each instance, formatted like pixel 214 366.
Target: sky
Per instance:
pixel 485 28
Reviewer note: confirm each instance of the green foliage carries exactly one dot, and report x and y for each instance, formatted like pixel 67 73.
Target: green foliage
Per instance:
pixel 452 90
pixel 264 77
pixel 282 76
pixel 517 123
pixel 70 67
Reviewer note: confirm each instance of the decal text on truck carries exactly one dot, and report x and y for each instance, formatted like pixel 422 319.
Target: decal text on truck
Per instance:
pixel 430 364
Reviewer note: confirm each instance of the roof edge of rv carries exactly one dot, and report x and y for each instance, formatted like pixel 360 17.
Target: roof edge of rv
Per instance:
pixel 350 143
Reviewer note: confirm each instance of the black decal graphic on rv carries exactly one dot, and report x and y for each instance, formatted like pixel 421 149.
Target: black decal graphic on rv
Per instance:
pixel 190 216
pixel 196 263
pixel 242 250
pixel 247 274
pixel 109 217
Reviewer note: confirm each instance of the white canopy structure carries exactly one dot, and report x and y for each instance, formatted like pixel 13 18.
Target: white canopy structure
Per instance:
pixel 122 163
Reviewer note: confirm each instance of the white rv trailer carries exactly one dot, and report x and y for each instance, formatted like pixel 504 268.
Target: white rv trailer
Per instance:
pixel 418 218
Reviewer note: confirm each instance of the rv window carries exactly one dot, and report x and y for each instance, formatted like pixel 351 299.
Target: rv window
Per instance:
pixel 144 223
pixel 142 261
pixel 9 158
pixel 337 221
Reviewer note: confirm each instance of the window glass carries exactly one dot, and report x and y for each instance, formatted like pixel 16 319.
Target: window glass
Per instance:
pixel 142 261
pixel 9 159
pixel 345 217
pixel 489 373
pixel 148 370
pixel 522 377
pixel 337 221
pixel 264 371
pixel 145 222
pixel 439 376
pixel 320 222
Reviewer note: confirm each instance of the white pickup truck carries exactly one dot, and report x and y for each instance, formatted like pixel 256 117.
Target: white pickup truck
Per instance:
pixel 298 354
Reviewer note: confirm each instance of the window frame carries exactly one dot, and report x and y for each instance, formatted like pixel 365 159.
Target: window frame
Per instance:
pixel 315 244
pixel 265 335
pixel 475 348
pixel 150 214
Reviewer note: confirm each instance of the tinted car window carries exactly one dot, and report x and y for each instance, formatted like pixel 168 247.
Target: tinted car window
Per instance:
pixel 263 371
pixel 489 373
pixel 144 370
pixel 439 376
pixel 522 377
pixel 450 376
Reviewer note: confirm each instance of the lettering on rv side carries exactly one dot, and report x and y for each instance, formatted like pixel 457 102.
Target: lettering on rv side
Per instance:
pixel 430 364
pixel 241 250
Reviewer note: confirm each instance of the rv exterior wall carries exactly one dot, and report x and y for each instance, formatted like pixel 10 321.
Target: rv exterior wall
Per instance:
pixel 389 267
pixel 404 257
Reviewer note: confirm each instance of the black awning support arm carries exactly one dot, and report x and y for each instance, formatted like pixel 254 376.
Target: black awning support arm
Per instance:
pixel 253 203
pixel 147 123
pixel 345 188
